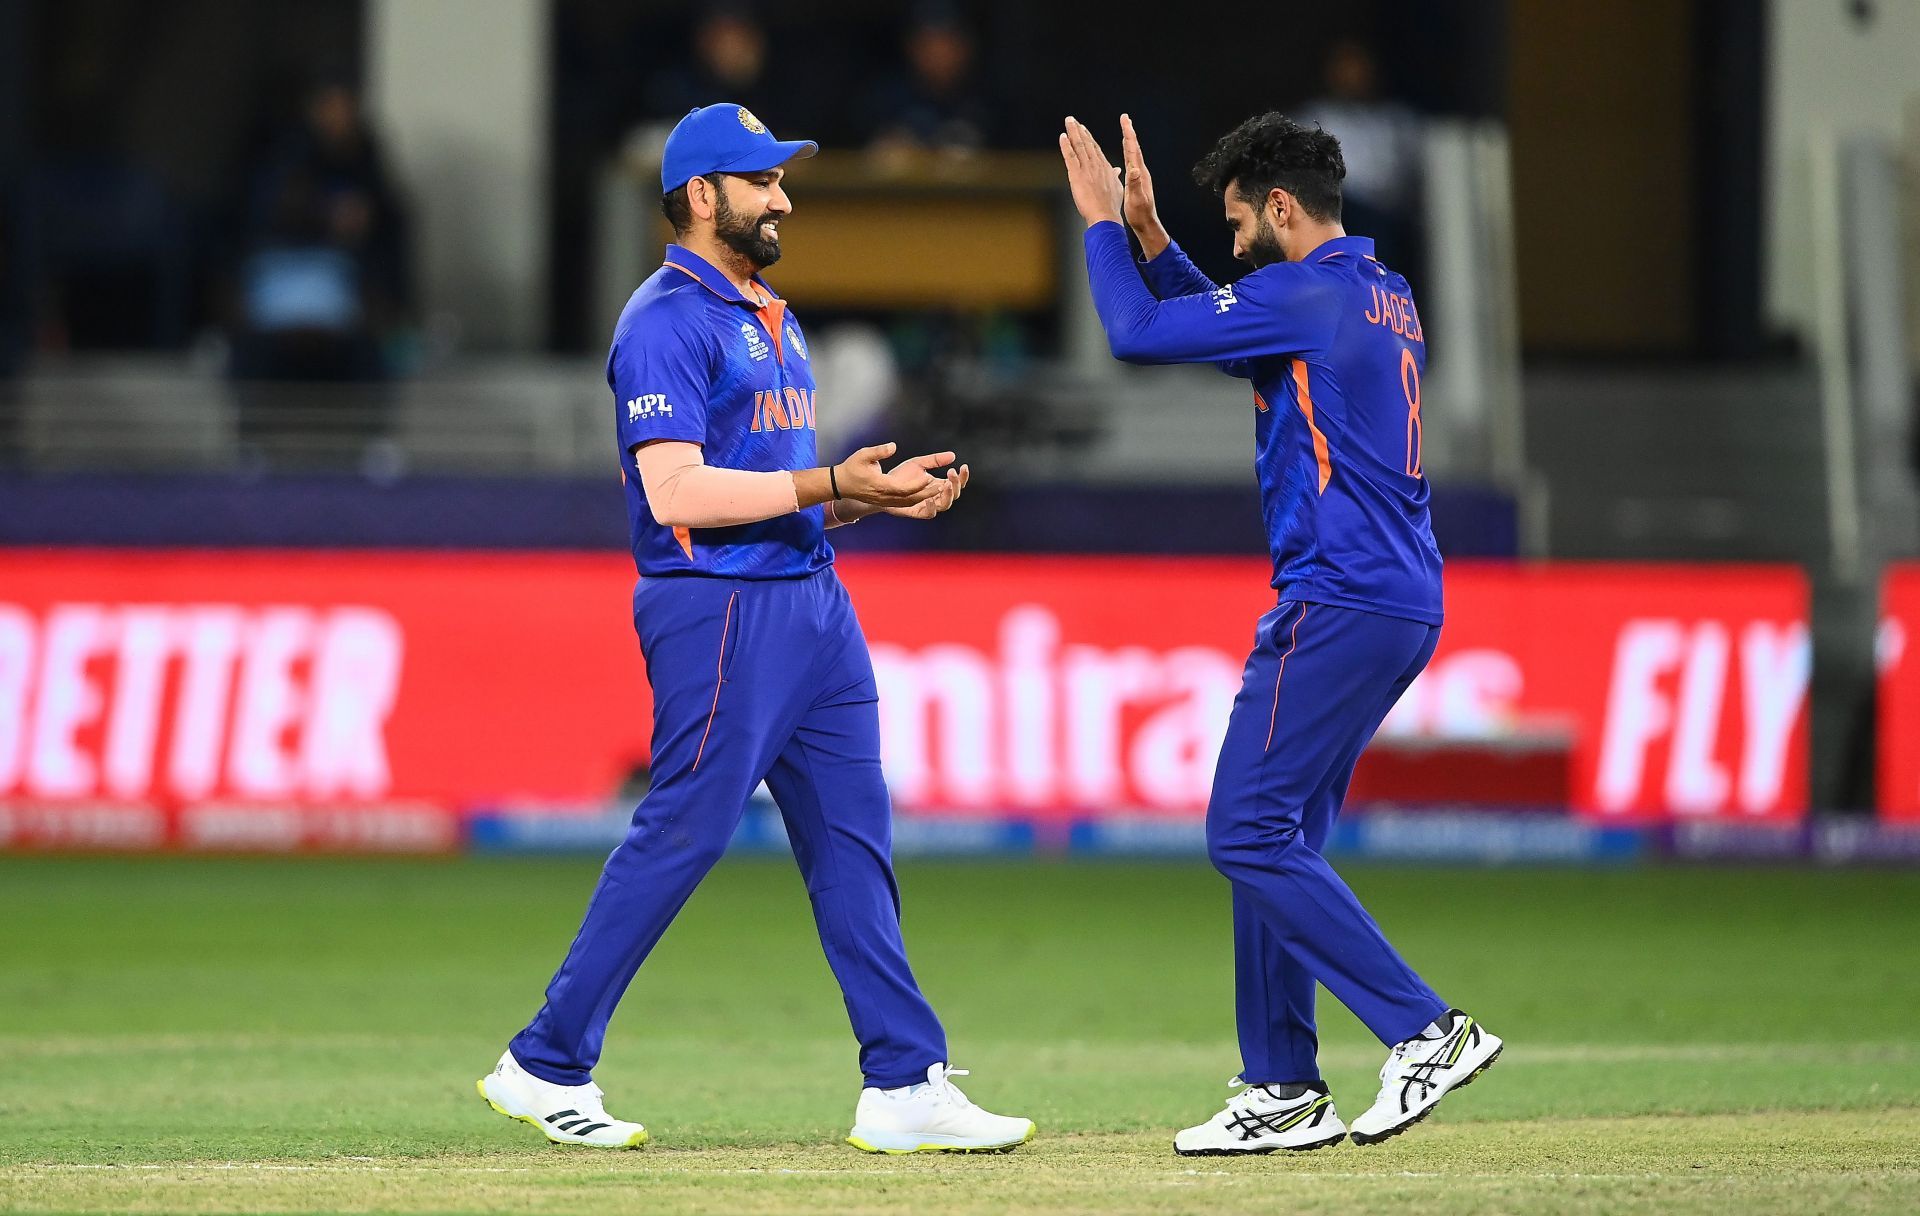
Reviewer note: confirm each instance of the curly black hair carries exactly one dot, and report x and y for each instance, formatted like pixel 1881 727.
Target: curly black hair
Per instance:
pixel 1271 150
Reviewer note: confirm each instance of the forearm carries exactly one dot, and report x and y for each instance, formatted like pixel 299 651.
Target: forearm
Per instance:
pixel 1154 239
pixel 684 492
pixel 813 486
pixel 1170 272
pixel 1120 296
pixel 1254 317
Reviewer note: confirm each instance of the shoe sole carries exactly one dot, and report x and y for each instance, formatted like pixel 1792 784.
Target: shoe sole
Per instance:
pixel 1258 1152
pixel 1365 1138
pixel 635 1141
pixel 867 1146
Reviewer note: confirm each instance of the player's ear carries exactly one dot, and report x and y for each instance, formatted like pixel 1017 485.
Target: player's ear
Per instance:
pixel 1279 202
pixel 700 197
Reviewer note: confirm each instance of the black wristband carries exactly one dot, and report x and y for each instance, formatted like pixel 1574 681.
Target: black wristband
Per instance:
pixel 834 482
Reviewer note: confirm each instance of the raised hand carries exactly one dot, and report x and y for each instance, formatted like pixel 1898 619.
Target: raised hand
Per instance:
pixel 909 484
pixel 950 487
pixel 1095 183
pixel 1142 215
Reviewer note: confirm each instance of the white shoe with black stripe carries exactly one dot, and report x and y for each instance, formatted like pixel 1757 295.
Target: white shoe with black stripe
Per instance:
pixel 1265 1119
pixel 565 1114
pixel 1420 1072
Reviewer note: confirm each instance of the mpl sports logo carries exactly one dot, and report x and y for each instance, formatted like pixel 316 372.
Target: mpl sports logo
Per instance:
pixel 648 406
pixel 184 702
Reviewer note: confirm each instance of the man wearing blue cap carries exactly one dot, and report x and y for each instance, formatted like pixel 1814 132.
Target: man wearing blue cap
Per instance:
pixel 758 666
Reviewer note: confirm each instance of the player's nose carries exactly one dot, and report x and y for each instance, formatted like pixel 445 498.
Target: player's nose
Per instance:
pixel 780 204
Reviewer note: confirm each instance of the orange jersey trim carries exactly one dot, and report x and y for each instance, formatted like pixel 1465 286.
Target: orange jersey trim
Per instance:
pixel 683 270
pixel 773 316
pixel 772 312
pixel 1321 456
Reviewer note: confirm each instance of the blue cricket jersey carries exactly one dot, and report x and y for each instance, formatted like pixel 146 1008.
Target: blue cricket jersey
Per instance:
pixel 1334 348
pixel 694 359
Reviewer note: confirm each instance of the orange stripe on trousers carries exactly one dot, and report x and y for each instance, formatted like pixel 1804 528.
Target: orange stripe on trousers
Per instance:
pixel 719 670
pixel 1293 642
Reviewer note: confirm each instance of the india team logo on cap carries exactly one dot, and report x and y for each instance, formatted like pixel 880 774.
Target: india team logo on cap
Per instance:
pixel 751 123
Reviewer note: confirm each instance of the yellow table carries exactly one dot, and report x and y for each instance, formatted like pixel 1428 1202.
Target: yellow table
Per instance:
pixel 920 231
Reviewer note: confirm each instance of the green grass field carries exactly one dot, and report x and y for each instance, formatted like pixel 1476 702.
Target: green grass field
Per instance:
pixel 281 1036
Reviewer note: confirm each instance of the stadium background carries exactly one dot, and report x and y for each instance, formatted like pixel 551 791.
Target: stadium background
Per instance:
pixel 310 544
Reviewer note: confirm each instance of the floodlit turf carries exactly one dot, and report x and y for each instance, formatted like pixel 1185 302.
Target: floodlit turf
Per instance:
pixel 185 1036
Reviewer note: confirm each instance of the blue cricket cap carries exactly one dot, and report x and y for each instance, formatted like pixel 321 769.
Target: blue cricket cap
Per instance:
pixel 724 138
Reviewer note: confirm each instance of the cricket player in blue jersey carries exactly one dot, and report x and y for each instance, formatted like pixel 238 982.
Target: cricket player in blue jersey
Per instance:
pixel 758 666
pixel 1332 343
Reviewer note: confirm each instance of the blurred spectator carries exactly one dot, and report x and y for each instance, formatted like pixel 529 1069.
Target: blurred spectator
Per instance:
pixel 729 64
pixel 325 282
pixel 105 256
pixel 325 291
pixel 935 100
pixel 1381 141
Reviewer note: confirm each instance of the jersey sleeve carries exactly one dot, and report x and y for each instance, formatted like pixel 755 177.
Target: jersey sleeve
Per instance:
pixel 1174 274
pixel 1284 309
pixel 661 379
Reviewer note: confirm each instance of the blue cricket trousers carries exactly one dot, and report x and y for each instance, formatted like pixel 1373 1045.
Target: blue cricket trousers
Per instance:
pixel 1318 684
pixel 752 680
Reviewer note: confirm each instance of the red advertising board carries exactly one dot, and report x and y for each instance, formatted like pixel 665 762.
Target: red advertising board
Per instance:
pixel 1899 717
pixel 1084 684
pixel 199 684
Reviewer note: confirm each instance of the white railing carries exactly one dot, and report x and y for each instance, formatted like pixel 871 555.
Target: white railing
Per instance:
pixel 163 413
pixel 1473 345
pixel 1861 344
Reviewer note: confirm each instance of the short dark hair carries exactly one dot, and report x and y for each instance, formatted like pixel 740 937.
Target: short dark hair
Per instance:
pixel 679 212
pixel 1271 150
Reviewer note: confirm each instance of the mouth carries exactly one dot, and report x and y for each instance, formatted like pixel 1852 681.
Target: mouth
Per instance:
pixel 770 229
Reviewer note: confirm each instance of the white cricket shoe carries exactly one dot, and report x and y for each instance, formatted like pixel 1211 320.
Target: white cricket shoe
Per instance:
pixel 1259 1120
pixel 932 1117
pixel 1420 1072
pixel 565 1114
